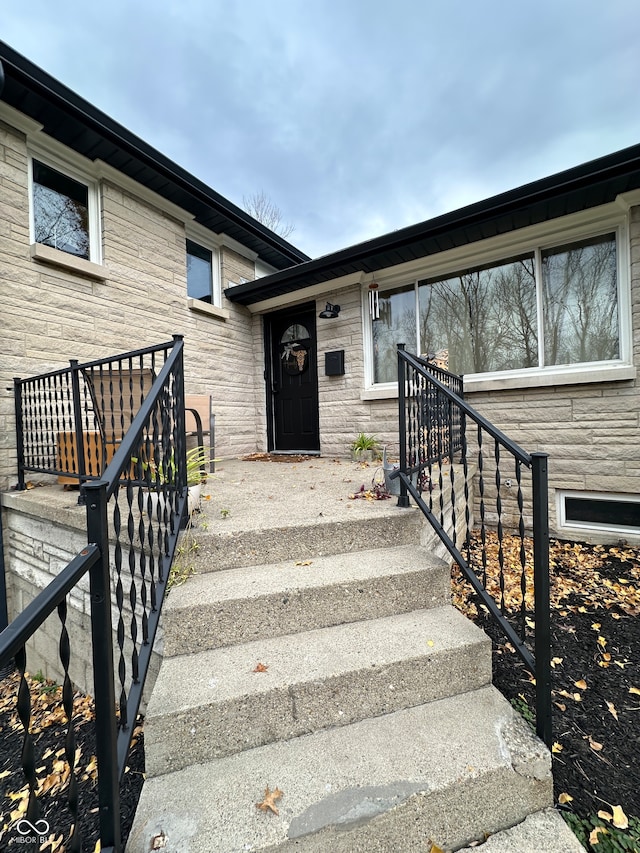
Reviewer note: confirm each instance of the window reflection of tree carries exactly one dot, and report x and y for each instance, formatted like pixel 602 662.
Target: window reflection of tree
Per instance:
pixel 60 221
pixel 580 303
pixel 485 318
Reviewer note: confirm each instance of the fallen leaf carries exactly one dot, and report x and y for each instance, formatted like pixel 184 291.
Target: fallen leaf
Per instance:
pixel 619 818
pixel 557 747
pixel 635 690
pixel 261 667
pixel 303 562
pixel 612 710
pixel 602 642
pixel 436 849
pixel 593 837
pixel 269 801
pixel 565 798
pixel 556 662
pixel 595 746
pixel 605 815
pixel 596 626
pixel 581 685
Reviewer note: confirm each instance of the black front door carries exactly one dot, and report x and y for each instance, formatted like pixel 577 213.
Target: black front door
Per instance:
pixel 292 379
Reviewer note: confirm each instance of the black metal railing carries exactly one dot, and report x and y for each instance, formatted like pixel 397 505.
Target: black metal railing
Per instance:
pixel 70 422
pixel 133 520
pixel 468 478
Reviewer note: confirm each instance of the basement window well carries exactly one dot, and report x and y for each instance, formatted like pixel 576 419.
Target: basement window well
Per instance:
pixel 617 513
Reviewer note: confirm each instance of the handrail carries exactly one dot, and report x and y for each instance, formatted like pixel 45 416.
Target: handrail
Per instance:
pixel 132 543
pixel 468 410
pixel 428 412
pixel 16 634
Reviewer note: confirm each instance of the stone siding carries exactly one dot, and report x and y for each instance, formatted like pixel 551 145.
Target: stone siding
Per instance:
pixel 51 314
pixel 37 549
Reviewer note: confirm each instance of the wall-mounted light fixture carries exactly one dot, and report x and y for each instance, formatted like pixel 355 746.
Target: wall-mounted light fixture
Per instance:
pixel 330 312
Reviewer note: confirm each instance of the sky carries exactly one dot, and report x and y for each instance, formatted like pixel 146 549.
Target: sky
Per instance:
pixel 355 117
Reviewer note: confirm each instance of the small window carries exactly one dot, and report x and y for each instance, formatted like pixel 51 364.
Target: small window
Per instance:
pixel 600 511
pixel 60 211
pixel 202 273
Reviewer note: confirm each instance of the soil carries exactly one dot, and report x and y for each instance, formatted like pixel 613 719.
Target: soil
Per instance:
pixel 48 725
pixel 595 645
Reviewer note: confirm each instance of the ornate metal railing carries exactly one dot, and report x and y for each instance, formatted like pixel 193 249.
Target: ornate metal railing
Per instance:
pixel 469 478
pixel 133 520
pixel 70 422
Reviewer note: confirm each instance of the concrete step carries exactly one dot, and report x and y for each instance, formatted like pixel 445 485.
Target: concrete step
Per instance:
pixel 212 704
pixel 253 602
pixel 445 772
pixel 542 832
pixel 219 549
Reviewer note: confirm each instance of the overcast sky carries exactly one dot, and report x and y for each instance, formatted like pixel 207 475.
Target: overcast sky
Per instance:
pixel 356 117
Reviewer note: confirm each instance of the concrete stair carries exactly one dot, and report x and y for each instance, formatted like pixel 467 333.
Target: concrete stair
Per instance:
pixel 375 715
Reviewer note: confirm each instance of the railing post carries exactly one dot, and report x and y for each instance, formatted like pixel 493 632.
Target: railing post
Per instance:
pixel 103 673
pixel 77 423
pixel 403 500
pixel 4 611
pixel 542 638
pixel 17 399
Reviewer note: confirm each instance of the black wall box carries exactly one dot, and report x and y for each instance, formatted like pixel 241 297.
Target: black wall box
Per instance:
pixel 334 363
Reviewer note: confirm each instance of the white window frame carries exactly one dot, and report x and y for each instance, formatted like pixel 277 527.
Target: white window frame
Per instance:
pixel 495 250
pixel 600 527
pixel 209 241
pixel 93 208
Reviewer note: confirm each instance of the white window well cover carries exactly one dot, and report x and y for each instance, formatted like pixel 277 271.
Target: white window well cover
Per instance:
pixel 603 511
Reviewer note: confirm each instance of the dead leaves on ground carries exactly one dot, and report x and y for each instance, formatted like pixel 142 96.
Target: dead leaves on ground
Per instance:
pixel 583 578
pixel 53 772
pixel 268 803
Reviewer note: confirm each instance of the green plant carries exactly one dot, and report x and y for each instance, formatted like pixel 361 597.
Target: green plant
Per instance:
pixel 608 838
pixel 46 685
pixel 198 460
pixel 363 443
pixel 165 473
pixel 521 706
pixel 225 513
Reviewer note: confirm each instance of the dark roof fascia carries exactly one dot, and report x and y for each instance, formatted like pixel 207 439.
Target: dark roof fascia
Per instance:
pixel 35 80
pixel 360 258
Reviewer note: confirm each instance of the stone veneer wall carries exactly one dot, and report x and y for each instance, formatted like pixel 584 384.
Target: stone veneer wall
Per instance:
pixel 591 432
pixel 51 314
pixel 42 535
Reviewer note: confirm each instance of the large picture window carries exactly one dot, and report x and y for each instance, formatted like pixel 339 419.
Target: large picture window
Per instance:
pixel 540 309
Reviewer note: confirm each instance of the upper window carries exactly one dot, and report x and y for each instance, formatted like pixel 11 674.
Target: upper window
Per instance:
pixel 540 309
pixel 202 273
pixel 64 212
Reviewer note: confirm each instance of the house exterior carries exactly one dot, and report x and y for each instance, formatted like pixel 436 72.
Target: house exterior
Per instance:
pixel 107 246
pixel 533 295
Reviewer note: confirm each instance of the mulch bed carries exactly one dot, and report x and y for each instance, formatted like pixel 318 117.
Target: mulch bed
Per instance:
pixel 49 726
pixel 595 637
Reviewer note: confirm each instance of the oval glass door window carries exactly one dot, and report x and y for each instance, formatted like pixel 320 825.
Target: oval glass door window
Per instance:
pixel 293 352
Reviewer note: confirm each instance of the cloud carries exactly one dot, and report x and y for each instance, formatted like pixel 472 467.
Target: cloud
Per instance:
pixel 356 118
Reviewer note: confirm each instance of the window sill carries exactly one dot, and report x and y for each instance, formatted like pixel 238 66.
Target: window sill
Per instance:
pixel 577 375
pixel 206 308
pixel 63 260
